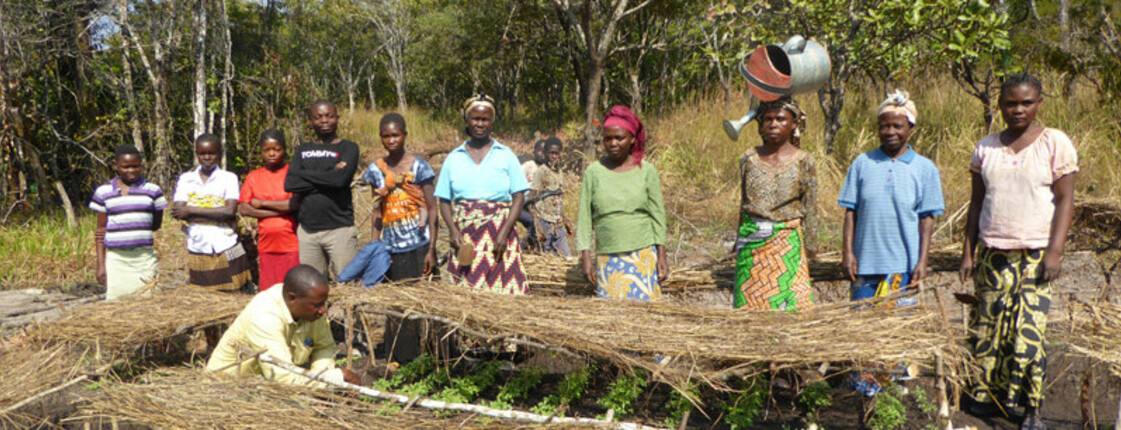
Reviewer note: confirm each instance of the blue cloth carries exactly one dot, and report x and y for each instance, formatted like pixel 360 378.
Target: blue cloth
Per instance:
pixel 889 197
pixel 411 233
pixel 495 179
pixel 866 287
pixel 370 264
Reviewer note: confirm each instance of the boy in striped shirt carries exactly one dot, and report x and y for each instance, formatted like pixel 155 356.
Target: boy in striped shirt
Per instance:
pixel 129 211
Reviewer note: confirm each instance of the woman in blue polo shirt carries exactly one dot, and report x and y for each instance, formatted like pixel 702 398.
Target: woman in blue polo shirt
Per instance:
pixel 481 189
pixel 892 195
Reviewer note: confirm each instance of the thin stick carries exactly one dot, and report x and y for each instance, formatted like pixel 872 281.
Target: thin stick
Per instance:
pixel 349 336
pixel 436 404
pixel 56 389
pixel 504 337
pixel 1117 425
pixel 943 400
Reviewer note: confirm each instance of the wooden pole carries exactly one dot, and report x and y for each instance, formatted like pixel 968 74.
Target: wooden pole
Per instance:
pixel 436 404
pixel 349 336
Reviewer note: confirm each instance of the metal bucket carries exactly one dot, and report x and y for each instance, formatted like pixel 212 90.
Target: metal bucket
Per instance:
pixel 798 66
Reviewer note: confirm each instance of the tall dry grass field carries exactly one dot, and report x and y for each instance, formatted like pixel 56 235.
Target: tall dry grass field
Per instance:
pixel 699 164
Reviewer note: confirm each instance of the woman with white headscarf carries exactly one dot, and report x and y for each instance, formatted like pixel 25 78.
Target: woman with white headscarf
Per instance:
pixel 891 196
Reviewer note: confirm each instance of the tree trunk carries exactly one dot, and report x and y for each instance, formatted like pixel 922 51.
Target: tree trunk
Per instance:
pixel 130 95
pixel 199 94
pixel 227 73
pixel 370 92
pixel 402 104
pixel 1064 24
pixel 71 221
pixel 595 82
pixel 36 164
pixel 635 91
pixel 832 100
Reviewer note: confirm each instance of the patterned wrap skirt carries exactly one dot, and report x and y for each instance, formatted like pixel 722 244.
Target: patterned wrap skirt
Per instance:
pixel 771 269
pixel 480 221
pixel 1007 326
pixel 629 275
pixel 228 270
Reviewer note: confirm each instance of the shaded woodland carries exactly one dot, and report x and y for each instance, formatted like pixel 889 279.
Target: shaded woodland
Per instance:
pixel 78 77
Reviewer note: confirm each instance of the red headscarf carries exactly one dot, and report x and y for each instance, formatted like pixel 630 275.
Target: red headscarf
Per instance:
pixel 622 117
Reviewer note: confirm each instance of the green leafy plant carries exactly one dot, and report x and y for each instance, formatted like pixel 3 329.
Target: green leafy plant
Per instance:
pixel 429 384
pixel 888 412
pixel 742 411
pixel 517 387
pixel 570 389
pixel 409 373
pixel 467 388
pixel 815 396
pixel 622 393
pixel 678 404
pixel 922 400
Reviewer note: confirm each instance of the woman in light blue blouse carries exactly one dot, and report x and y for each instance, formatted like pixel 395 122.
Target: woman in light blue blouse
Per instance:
pixel 481 189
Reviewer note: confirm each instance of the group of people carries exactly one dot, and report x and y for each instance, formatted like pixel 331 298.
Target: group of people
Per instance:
pixel 1020 212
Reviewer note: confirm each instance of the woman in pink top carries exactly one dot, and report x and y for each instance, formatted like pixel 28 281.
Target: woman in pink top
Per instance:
pixel 1019 216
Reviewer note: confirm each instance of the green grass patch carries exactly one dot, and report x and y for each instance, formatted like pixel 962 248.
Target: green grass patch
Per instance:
pixel 44 252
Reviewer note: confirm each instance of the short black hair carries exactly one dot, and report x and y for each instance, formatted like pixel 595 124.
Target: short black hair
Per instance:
pixel 392 118
pixel 1012 81
pixel 301 279
pixel 319 102
pixel 272 134
pixel 538 144
pixel 207 137
pixel 553 141
pixel 125 149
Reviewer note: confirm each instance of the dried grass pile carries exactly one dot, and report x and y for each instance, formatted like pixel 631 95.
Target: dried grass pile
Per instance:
pixel 556 272
pixel 58 354
pixel 122 325
pixel 1094 332
pixel 193 398
pixel 704 343
pixel 30 369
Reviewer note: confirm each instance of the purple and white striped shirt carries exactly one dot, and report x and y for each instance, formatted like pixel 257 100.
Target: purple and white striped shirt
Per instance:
pixel 129 217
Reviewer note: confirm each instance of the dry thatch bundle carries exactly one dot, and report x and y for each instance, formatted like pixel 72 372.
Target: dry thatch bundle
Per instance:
pixel 29 369
pixel 1094 331
pixel 122 325
pixel 704 343
pixel 193 398
pixel 555 272
pixel 55 355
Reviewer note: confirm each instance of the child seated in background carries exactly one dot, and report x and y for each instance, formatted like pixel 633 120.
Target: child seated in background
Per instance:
pixel 206 198
pixel 547 192
pixel 263 197
pixel 129 211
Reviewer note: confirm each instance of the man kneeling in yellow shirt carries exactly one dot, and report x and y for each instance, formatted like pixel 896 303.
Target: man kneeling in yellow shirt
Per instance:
pixel 287 324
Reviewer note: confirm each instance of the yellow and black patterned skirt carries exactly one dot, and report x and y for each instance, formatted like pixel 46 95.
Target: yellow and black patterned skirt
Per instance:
pixel 1007 326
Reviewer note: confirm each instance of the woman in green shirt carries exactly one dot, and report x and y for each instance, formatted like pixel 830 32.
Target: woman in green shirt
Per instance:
pixel 621 201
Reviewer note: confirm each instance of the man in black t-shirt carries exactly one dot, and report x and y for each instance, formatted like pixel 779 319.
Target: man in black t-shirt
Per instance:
pixel 320 174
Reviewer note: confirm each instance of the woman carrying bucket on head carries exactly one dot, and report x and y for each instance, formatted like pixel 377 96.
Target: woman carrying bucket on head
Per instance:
pixel 621 202
pixel 481 189
pixel 778 191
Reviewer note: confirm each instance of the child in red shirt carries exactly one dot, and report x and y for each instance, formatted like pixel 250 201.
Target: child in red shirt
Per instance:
pixel 263 197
